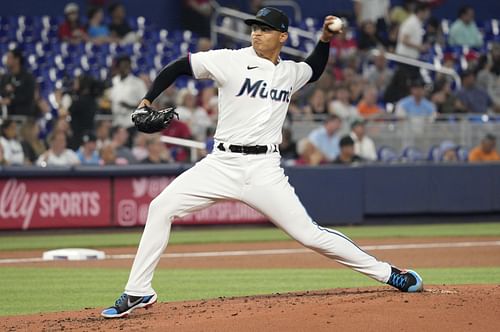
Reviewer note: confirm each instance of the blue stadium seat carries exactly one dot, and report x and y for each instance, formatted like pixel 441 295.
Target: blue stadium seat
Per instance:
pixel 434 153
pixel 94 49
pixel 412 154
pixel 387 154
pixel 51 22
pixel 463 153
pixel 49 36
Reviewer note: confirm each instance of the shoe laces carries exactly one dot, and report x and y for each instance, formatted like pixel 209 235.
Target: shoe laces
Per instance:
pixel 121 299
pixel 398 280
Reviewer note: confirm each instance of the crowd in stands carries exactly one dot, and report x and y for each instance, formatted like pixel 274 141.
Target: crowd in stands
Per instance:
pixel 83 117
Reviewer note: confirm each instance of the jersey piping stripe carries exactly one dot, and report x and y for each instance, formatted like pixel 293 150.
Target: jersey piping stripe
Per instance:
pixel 341 235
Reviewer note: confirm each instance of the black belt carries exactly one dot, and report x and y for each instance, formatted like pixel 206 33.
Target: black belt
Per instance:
pixel 248 149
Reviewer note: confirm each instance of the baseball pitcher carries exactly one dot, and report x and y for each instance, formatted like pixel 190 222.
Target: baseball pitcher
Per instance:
pixel 255 87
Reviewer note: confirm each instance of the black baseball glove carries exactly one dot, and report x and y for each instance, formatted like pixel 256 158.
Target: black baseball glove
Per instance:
pixel 149 120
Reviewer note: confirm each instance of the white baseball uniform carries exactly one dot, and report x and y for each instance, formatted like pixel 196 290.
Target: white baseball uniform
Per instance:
pixel 253 100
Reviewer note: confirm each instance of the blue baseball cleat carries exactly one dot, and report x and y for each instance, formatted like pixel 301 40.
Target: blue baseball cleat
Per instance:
pixel 406 280
pixel 127 303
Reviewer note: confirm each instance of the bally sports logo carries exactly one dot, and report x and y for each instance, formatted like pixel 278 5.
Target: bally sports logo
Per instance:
pixel 28 200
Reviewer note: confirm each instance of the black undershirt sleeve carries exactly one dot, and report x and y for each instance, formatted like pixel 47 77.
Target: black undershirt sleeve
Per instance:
pixel 168 75
pixel 317 59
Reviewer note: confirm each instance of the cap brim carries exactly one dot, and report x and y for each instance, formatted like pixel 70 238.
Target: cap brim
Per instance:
pixel 251 21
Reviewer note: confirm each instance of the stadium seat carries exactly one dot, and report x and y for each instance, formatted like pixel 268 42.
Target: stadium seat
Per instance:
pixel 434 153
pixel 463 153
pixel 387 154
pixel 49 36
pixel 412 154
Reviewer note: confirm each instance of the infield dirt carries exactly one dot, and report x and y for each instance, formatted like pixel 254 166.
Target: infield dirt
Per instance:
pixel 439 308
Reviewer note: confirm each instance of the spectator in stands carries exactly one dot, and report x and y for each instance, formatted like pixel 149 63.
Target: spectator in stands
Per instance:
pixel 108 156
pixel 98 32
pixel 58 154
pixel 411 33
pixel 489 77
pixel 486 151
pixel 71 29
pixel 391 42
pixel 103 128
pixel 399 14
pixel 474 99
pixel 356 88
pixel 347 154
pixel 12 149
pixel 343 45
pixel 342 107
pixel 126 93
pixel 119 139
pixel 411 38
pixel 464 31
pixel 139 149
pixel 196 15
pixel 193 115
pixel 288 147
pixel 32 145
pixel 416 105
pixel 448 152
pixel 316 104
pixel 83 108
pixel 368 107
pixel 325 139
pixel 367 37
pixel 62 124
pixel 363 145
pixel 433 33
pixel 157 151
pixel 445 100
pixel 119 28
pixel 376 11
pixel 378 73
pixel 181 130
pixel 87 153
pixel 17 86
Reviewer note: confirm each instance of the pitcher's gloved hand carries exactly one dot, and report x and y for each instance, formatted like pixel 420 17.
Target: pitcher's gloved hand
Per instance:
pixel 149 120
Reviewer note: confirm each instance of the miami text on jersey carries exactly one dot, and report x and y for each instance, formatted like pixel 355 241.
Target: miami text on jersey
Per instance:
pixel 260 88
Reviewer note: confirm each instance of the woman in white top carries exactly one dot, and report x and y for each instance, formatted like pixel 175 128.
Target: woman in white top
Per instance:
pixel 12 148
pixel 58 154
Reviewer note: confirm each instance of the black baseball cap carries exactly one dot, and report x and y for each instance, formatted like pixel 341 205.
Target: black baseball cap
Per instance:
pixel 271 17
pixel 346 141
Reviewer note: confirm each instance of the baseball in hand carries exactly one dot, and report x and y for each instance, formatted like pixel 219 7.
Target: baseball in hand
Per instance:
pixel 336 25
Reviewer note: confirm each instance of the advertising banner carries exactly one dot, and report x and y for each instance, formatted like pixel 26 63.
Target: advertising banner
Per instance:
pixel 133 195
pixel 54 203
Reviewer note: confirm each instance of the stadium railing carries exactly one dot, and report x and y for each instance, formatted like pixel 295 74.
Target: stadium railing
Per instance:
pixel 388 130
pixel 229 22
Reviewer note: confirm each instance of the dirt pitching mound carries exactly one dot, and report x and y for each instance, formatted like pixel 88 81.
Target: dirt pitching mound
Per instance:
pixel 448 308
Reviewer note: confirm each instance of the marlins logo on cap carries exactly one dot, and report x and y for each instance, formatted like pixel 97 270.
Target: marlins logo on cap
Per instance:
pixel 271 17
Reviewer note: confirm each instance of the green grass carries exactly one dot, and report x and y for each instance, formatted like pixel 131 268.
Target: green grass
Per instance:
pixel 238 234
pixel 32 290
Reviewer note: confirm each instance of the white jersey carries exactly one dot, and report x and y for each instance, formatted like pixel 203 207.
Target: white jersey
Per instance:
pixel 253 100
pixel 254 94
pixel 413 28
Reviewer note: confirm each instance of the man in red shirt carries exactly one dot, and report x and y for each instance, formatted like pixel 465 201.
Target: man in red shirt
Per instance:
pixel 180 130
pixel 71 30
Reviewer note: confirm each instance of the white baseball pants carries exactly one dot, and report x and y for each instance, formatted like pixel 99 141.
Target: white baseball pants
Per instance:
pixel 260 182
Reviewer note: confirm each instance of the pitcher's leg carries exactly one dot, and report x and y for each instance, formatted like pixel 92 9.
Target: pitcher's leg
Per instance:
pixel 155 237
pixel 193 190
pixel 285 210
